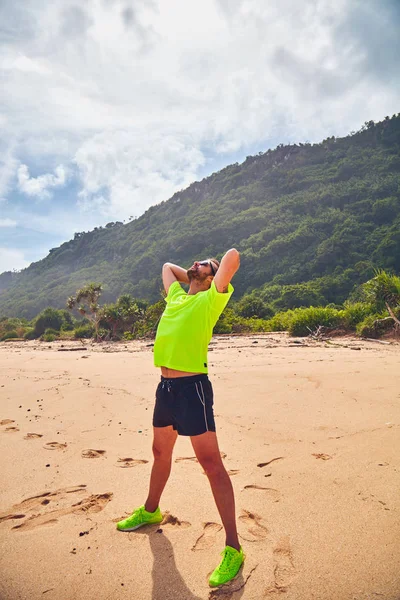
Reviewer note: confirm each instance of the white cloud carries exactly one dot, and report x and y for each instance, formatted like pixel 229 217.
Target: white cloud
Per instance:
pixel 134 95
pixel 14 257
pixel 7 223
pixel 24 64
pixel 138 170
pixel 39 186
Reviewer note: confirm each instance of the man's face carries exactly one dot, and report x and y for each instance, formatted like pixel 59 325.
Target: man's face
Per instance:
pixel 200 270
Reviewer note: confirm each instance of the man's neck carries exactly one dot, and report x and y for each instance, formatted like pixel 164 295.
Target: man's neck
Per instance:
pixel 196 286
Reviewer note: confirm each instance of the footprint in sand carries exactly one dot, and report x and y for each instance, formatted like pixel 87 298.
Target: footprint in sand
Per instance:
pixel 6 421
pixel 233 472
pixel 284 570
pixel 125 463
pixel 54 446
pixel 11 429
pixel 170 521
pixel 90 453
pixel 61 499
pixel 274 494
pixel 207 538
pixel 315 381
pixel 256 531
pixel 32 436
pixel 323 456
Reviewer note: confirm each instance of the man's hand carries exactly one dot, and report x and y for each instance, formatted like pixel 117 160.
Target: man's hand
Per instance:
pixel 171 273
pixel 229 265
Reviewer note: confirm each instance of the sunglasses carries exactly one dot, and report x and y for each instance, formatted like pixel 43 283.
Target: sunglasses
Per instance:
pixel 204 263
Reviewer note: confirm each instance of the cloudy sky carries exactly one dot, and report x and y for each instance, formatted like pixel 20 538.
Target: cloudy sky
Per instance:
pixel 110 106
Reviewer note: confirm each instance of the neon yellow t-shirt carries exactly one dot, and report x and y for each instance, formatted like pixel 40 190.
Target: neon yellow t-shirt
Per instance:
pixel 186 327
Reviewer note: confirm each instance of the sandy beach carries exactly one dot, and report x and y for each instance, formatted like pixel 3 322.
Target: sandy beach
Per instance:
pixel 309 432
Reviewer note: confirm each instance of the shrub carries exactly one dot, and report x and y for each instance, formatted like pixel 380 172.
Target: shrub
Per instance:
pixel 48 337
pixel 30 334
pixel 8 325
pixel 257 325
pixel 84 331
pixel 52 331
pixel 280 321
pixel 306 319
pixel 129 336
pixel 354 313
pixel 66 335
pixel 9 335
pixel 374 326
pixel 223 326
pixel 48 318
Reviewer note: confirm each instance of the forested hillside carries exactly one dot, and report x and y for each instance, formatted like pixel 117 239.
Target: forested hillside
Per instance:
pixel 311 221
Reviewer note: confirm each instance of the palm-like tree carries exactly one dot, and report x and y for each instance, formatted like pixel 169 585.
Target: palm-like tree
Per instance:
pixel 86 303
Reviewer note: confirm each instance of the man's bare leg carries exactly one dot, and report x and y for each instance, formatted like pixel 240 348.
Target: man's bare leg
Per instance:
pixel 163 444
pixel 207 452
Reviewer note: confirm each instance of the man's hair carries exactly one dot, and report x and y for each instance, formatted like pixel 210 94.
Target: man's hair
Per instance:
pixel 215 261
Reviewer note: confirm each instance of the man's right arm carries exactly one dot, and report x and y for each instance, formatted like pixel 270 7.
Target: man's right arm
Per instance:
pixel 171 273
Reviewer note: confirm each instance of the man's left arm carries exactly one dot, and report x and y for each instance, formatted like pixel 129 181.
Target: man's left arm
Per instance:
pixel 228 266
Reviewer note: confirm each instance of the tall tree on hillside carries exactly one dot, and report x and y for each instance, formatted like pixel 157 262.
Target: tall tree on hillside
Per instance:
pixel 86 302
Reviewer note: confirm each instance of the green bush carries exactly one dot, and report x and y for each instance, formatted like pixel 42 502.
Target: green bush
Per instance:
pixel 48 318
pixel 84 331
pixel 52 331
pixel 257 325
pixel 280 321
pixel 306 319
pixel 48 337
pixel 354 313
pixel 9 335
pixel 223 327
pixel 374 326
pixel 30 334
pixel 129 336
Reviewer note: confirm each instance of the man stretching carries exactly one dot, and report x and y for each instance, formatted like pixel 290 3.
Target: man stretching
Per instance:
pixel 184 396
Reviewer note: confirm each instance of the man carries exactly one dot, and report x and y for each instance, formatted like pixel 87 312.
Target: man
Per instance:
pixel 184 397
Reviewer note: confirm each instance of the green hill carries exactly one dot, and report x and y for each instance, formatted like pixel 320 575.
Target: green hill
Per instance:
pixel 311 222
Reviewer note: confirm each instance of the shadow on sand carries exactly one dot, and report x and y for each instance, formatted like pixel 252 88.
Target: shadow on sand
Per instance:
pixel 168 583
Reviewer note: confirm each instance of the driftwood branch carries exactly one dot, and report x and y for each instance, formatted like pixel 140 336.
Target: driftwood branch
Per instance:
pixel 377 341
pixel 391 313
pixel 71 349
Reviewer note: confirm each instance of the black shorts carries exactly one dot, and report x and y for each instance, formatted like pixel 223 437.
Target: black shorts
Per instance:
pixel 186 403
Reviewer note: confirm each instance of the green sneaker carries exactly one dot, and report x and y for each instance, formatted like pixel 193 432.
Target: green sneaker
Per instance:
pixel 140 517
pixel 229 566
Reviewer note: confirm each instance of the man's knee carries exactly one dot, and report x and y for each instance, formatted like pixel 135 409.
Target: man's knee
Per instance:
pixel 212 466
pixel 161 452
